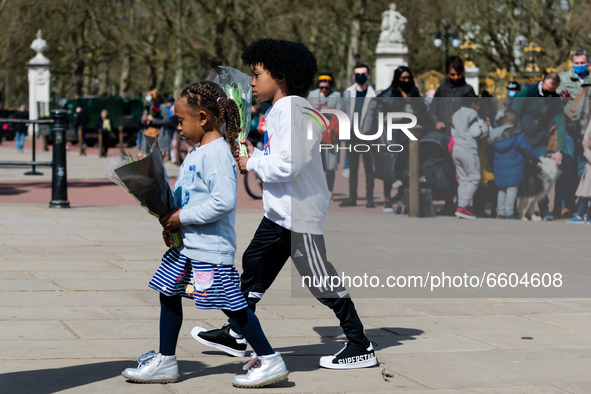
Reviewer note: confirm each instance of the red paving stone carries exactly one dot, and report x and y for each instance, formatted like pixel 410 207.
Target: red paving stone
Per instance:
pixel 102 192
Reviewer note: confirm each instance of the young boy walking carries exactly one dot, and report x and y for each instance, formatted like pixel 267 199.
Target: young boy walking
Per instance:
pixel 295 199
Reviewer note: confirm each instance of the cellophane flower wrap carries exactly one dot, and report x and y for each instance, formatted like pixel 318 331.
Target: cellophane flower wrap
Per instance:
pixel 144 178
pixel 236 84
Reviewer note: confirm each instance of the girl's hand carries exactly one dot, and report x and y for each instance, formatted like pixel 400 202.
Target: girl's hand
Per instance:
pixel 586 144
pixel 171 221
pixel 167 240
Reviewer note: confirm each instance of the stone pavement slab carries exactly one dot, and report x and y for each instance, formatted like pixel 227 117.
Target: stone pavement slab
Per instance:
pixel 75 310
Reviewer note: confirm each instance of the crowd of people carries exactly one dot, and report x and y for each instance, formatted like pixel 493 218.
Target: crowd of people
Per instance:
pixel 493 144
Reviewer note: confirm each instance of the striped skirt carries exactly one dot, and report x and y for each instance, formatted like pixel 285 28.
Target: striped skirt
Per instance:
pixel 211 286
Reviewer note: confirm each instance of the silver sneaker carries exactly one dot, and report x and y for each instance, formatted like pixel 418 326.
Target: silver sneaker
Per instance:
pixel 154 368
pixel 262 371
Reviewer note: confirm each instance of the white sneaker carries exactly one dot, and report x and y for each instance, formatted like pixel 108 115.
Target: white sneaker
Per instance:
pixel 262 371
pixel 154 368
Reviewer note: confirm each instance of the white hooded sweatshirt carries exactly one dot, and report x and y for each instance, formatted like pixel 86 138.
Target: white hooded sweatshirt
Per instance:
pixel 295 193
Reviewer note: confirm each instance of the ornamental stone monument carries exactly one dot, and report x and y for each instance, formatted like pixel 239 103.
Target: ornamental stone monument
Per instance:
pixel 39 80
pixel 392 50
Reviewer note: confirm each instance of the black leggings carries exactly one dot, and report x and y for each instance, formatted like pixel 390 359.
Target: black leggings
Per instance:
pixel 171 319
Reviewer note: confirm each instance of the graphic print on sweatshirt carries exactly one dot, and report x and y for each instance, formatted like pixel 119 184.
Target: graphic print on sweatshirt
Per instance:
pixel 267 147
pixel 181 187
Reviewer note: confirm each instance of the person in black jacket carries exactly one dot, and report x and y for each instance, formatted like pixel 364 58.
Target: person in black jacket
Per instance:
pixel 404 94
pixel 81 120
pixel 445 102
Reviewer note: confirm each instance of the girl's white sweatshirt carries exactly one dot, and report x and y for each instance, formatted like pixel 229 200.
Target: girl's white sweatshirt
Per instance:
pixel 295 193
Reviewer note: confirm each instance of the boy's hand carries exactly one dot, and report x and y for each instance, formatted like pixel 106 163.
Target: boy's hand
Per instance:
pixel 167 240
pixel 242 164
pixel 249 147
pixel 585 144
pixel 172 220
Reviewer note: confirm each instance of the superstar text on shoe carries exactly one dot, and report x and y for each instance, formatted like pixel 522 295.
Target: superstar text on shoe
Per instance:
pixel 350 357
pixel 220 339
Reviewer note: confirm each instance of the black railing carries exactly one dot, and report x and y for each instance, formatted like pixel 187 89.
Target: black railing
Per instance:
pixel 59 181
pixel 33 163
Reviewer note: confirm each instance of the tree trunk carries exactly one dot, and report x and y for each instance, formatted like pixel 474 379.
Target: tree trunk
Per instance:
pixel 178 69
pixel 124 78
pixel 103 90
pixel 178 72
pixel 77 82
pixel 355 38
pixel 151 62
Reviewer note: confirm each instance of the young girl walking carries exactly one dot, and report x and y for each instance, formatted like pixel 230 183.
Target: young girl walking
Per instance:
pixel 203 267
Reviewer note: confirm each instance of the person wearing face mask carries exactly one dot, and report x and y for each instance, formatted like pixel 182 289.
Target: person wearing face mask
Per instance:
pixel 537 118
pixel 513 88
pixel 155 117
pixel 360 93
pixel 407 99
pixel 576 85
pixel 445 102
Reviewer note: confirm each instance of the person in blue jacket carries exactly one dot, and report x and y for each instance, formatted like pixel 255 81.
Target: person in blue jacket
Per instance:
pixel 509 150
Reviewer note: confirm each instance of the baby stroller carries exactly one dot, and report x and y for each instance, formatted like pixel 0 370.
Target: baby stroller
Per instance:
pixel 437 170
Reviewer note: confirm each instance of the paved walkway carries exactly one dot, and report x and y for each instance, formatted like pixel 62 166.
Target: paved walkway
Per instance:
pixel 75 309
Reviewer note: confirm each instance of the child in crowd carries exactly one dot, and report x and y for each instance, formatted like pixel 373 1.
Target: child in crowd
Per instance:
pixel 584 189
pixel 295 199
pixel 509 150
pixel 467 127
pixel 203 267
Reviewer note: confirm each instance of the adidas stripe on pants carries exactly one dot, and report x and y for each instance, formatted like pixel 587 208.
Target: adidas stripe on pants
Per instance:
pixel 271 247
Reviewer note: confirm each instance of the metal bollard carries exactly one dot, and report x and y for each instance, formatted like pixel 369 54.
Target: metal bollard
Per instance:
pixel 59 179
pixel 413 169
pixel 45 147
pixel 100 144
pixel 121 139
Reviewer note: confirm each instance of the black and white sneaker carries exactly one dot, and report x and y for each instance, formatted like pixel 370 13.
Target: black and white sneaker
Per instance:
pixel 350 357
pixel 220 339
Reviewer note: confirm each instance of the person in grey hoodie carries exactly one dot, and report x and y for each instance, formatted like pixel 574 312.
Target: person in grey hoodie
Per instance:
pixel 466 128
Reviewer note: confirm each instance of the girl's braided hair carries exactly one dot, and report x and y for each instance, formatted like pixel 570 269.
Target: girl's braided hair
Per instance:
pixel 209 96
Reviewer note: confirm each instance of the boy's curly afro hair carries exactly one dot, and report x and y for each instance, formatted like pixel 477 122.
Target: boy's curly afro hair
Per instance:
pixel 284 59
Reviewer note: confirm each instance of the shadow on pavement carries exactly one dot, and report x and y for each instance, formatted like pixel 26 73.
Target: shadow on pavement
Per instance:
pixel 9 190
pixel 53 380
pixel 302 358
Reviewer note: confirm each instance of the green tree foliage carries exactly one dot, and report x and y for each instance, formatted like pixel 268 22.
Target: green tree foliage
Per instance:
pixel 125 47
